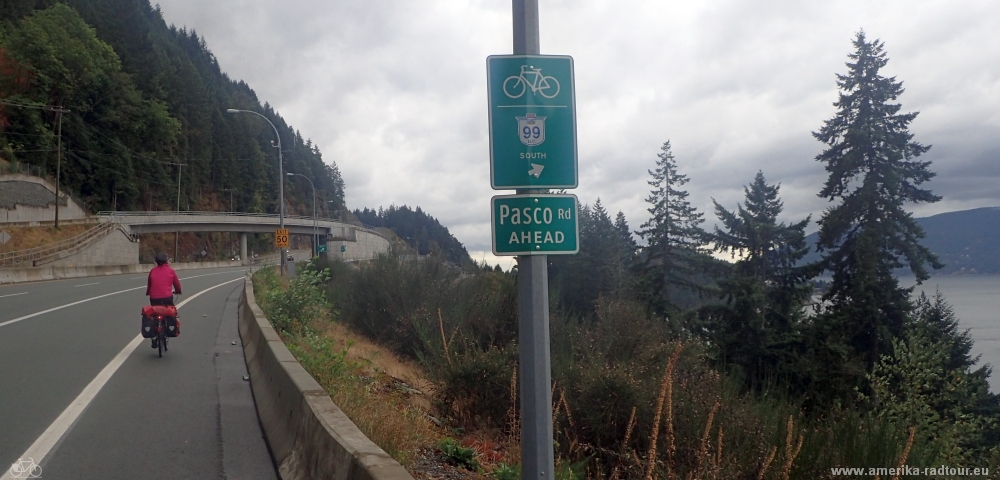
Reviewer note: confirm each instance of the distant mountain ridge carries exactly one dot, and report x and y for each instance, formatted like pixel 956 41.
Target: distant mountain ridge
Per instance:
pixel 966 241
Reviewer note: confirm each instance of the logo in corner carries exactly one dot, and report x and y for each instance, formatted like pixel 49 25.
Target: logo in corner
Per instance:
pixel 26 469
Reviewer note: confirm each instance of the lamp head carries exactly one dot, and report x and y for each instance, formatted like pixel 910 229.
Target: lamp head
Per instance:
pixel 232 110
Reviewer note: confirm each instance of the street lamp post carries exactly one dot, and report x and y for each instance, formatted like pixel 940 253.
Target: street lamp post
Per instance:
pixel 281 180
pixel 314 208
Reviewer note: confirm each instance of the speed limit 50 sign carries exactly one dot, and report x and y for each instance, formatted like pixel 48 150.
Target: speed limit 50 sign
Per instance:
pixel 281 238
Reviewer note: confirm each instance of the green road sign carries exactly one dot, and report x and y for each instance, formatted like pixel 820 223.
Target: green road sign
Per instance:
pixel 343 248
pixel 321 248
pixel 540 224
pixel 532 121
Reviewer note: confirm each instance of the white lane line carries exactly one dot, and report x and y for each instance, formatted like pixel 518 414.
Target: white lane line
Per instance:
pixel 18 319
pixel 14 294
pixel 51 436
pixel 8 322
pixel 86 284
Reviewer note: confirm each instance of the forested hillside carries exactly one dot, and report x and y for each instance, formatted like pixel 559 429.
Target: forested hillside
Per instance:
pixel 965 241
pixel 142 97
pixel 419 230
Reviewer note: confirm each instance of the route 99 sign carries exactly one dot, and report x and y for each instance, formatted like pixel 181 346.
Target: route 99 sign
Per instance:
pixel 281 238
pixel 532 121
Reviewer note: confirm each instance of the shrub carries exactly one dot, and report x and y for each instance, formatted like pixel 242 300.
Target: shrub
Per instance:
pixel 458 455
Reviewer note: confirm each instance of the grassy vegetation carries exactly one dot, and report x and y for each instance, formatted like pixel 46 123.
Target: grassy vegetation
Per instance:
pixel 301 315
pixel 631 398
pixel 22 238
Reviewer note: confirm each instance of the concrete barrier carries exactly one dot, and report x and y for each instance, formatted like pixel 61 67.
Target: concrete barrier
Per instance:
pixel 37 274
pixel 309 436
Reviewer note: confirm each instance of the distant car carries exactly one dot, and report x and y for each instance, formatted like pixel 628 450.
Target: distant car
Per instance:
pixel 291 258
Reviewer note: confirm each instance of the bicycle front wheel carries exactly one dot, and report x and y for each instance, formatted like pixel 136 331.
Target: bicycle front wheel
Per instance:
pixel 548 87
pixel 516 89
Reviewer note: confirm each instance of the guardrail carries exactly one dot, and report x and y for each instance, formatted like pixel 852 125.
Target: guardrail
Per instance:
pixel 32 257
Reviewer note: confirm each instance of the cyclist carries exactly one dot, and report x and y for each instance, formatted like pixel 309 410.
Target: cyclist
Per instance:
pixel 162 284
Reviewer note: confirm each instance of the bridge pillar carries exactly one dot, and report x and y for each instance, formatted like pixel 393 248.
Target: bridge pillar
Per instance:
pixel 243 249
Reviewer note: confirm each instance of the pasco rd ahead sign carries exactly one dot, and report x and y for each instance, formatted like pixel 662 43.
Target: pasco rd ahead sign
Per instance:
pixel 532 121
pixel 535 224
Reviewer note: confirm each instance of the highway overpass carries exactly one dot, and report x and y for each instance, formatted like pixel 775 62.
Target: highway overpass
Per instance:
pixel 344 241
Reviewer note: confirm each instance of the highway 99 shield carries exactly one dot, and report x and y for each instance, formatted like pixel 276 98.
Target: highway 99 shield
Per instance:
pixel 535 224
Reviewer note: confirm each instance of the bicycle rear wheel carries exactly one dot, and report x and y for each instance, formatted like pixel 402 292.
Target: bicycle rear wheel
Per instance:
pixel 161 342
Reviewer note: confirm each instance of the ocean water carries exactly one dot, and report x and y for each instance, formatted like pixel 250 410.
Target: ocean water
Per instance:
pixel 976 300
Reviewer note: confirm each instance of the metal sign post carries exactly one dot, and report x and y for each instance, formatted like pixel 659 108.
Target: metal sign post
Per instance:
pixel 537 453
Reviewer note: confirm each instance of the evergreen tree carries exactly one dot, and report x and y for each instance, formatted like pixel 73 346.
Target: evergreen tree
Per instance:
pixel 601 269
pixel 872 162
pixel 141 94
pixel 626 250
pixel 765 291
pixel 675 240
pixel 930 380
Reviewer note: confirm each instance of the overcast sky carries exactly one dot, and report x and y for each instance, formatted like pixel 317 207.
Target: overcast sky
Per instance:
pixel 394 92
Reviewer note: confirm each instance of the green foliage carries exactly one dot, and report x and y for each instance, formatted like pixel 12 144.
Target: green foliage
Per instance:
pixel 320 356
pixel 507 472
pixel 675 254
pixel 458 455
pixel 419 230
pixel 604 265
pixel 407 304
pixel 294 309
pixel 928 381
pixel 142 94
pixel 758 328
pixel 873 172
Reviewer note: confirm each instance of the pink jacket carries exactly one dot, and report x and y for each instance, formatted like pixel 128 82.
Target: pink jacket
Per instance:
pixel 161 279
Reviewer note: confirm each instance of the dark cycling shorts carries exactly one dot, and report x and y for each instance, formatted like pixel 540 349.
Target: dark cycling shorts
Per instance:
pixel 168 301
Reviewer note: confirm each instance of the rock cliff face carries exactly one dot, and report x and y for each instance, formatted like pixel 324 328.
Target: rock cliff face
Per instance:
pixel 25 198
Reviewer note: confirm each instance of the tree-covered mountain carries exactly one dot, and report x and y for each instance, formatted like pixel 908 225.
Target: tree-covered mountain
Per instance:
pixel 419 230
pixel 966 241
pixel 142 97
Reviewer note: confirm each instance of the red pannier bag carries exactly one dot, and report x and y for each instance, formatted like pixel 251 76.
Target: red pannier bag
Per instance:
pixel 150 313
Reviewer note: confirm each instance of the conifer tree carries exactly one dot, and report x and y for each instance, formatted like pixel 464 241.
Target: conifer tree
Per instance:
pixel 676 241
pixel 874 172
pixel 765 291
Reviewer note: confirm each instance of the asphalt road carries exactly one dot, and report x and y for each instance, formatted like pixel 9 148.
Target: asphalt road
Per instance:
pixel 189 414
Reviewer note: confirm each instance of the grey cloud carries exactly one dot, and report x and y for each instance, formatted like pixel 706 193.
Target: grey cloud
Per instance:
pixel 395 92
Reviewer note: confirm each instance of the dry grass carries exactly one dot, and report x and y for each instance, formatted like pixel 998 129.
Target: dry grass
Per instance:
pixel 387 398
pixel 22 238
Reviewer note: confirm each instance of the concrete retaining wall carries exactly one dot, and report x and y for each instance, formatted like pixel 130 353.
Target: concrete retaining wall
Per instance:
pixel 115 248
pixel 32 210
pixel 309 436
pixel 367 245
pixel 37 274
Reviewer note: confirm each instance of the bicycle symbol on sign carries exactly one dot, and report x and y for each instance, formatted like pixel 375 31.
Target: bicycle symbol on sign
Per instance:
pixel 547 87
pixel 26 469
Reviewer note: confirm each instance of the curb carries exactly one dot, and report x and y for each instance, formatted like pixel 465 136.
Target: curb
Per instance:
pixel 309 436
